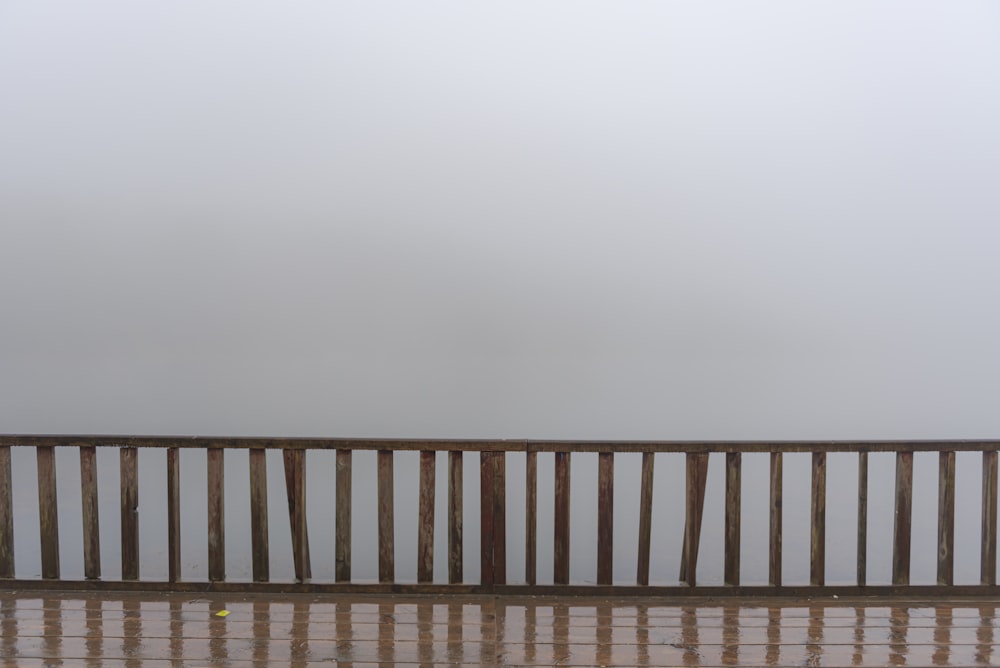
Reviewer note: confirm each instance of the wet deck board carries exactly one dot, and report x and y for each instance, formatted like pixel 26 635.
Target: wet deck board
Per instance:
pixel 260 630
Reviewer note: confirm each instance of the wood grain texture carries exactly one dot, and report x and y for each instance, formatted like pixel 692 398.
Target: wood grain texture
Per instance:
pixel 988 550
pixel 48 515
pixel 862 543
pixel 6 515
pixel 645 518
pixel 605 516
pixel 173 515
pixel 455 509
pixel 946 519
pixel 694 506
pixel 342 540
pixel 129 466
pixel 499 517
pixel 425 519
pixel 259 539
pixel 560 552
pixel 902 519
pixel 215 467
pixel 386 527
pixel 486 525
pixel 89 511
pixel 731 555
pixel 295 491
pixel 775 524
pixel 531 518
pixel 817 525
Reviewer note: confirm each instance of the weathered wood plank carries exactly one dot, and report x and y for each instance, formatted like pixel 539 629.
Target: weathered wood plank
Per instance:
pixel 88 507
pixel 259 540
pixel 988 553
pixel 695 485
pixel 499 518
pixel 216 516
pixel 862 562
pixel 560 552
pixel 6 515
pixel 645 518
pixel 129 467
pixel 531 519
pixel 342 543
pixel 946 519
pixel 386 527
pixel 731 567
pixel 775 525
pixel 455 492
pixel 486 518
pixel 817 543
pixel 295 491
pixel 48 516
pixel 425 521
pixel 173 515
pixel 605 516
pixel 902 519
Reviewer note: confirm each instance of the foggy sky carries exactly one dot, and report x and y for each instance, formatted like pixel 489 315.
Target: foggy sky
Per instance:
pixel 538 219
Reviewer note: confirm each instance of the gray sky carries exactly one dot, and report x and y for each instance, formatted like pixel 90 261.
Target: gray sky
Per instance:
pixel 524 219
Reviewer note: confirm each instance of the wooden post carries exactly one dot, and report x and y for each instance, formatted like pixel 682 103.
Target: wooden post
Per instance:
pixel 697 479
pixel 295 490
pixel 425 520
pixel 817 550
pixel 173 515
pixel 486 526
pixel 88 505
pixel 216 515
pixel 988 556
pixel 386 530
pixel 732 524
pixel 903 518
pixel 48 514
pixel 342 547
pixel 6 515
pixel 258 515
pixel 605 517
pixel 499 517
pixel 946 519
pixel 129 465
pixel 862 518
pixel 531 519
pixel 774 552
pixel 560 553
pixel 455 491
pixel 645 518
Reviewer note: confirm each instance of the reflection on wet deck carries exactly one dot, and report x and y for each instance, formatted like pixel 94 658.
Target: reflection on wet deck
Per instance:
pixel 183 630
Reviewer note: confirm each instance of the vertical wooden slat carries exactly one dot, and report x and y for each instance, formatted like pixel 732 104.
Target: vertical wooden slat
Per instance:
pixel 129 465
pixel 605 516
pixel 425 521
pixel 862 518
pixel 817 547
pixel 6 515
pixel 48 518
pixel 486 525
pixel 694 507
pixel 988 555
pixel 173 514
pixel 88 505
pixel 731 568
pixel 560 569
pixel 295 490
pixel 342 547
pixel 903 518
pixel 258 515
pixel 774 552
pixel 645 518
pixel 386 536
pixel 946 519
pixel 531 519
pixel 216 515
pixel 500 517
pixel 455 491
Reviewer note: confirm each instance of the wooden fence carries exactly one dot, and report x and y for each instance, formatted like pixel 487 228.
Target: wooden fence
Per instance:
pixel 492 524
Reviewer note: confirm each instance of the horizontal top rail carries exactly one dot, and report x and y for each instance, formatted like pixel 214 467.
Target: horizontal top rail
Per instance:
pixel 508 445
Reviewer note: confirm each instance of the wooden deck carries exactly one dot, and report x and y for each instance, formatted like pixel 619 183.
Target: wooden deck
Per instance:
pixel 129 629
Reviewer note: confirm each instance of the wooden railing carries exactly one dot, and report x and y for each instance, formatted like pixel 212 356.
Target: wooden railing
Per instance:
pixel 492 527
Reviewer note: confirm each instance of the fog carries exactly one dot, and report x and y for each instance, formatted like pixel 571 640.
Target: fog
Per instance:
pixel 690 220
